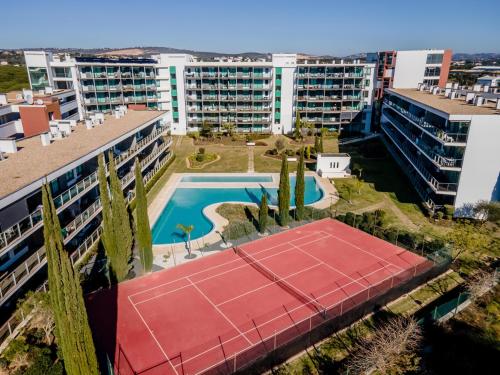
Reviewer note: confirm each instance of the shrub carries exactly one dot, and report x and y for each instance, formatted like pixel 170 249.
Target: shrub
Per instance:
pixel 280 144
pixel 201 150
pixel 449 210
pixel 195 135
pixel 260 143
pixel 200 157
pixel 289 152
pixel 440 215
pixel 272 152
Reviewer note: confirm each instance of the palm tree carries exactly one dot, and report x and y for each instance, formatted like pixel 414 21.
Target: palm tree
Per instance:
pixel 187 229
pixel 358 184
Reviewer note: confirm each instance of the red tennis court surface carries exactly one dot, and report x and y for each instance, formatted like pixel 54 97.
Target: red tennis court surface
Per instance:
pixel 221 312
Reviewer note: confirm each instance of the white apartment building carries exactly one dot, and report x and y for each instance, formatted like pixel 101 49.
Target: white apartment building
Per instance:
pixel 254 96
pixel 406 69
pixel 446 141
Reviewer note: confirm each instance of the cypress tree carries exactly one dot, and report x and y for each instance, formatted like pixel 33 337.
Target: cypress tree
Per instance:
pixel 263 211
pixel 284 193
pixel 300 188
pixel 308 152
pixel 316 144
pixel 298 127
pixel 143 233
pixel 72 329
pixel 121 224
pixel 108 235
pixel 321 143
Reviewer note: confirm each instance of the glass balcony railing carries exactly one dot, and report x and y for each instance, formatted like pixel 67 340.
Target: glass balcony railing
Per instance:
pixel 437 186
pixel 421 122
pixel 437 158
pixel 12 281
pixel 33 221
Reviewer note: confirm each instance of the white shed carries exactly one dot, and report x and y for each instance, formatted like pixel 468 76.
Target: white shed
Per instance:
pixel 333 165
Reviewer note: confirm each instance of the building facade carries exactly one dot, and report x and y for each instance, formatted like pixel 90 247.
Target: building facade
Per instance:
pixel 70 167
pixel 446 143
pixel 406 69
pixel 246 96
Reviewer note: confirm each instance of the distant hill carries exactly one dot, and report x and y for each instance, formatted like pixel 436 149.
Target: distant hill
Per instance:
pixel 476 56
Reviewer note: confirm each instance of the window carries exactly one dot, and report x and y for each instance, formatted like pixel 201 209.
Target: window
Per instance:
pixel 39 78
pixel 434 58
pixel 432 71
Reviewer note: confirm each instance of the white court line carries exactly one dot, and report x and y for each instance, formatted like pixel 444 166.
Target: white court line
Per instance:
pixel 207 278
pixel 211 276
pixel 216 266
pixel 364 251
pixel 326 264
pixel 219 310
pixel 292 310
pixel 269 284
pixel 153 336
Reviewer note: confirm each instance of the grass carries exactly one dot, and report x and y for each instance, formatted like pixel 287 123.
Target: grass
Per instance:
pixel 13 78
pixel 385 186
pixel 207 158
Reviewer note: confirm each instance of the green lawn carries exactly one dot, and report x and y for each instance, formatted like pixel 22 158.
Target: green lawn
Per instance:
pixel 13 78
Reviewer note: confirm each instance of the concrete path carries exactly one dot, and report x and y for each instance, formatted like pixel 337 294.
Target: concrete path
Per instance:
pixel 251 168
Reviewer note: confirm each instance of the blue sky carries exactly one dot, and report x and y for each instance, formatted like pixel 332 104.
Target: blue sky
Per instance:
pixel 314 26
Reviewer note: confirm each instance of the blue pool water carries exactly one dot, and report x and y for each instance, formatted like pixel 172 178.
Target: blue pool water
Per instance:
pixel 186 207
pixel 227 179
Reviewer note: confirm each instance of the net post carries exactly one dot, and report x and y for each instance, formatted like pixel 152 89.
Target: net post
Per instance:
pixel 274 340
pixel 342 307
pixel 392 281
pixel 368 297
pixel 234 362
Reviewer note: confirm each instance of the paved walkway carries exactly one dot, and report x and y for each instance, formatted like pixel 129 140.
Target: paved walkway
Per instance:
pixel 251 168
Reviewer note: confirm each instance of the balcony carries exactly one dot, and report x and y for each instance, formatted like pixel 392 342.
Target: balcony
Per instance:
pixel 115 87
pixel 90 101
pixel 438 187
pixel 32 222
pixel 11 282
pixel 449 139
pixel 101 88
pixel 86 75
pixel 88 88
pixel 439 160
pixel 100 75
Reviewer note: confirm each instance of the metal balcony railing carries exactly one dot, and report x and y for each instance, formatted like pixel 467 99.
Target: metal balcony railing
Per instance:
pixel 15 279
pixel 27 225
pixel 434 131
pixel 438 159
pixel 438 187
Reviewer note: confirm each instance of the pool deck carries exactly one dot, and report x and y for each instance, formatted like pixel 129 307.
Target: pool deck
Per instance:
pixel 178 252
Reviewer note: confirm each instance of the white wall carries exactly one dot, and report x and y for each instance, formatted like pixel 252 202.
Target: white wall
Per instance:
pixel 410 68
pixel 288 63
pixel 480 177
pixel 39 59
pixel 165 61
pixel 333 165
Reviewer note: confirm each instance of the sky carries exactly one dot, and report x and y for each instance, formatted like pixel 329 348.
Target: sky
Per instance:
pixel 316 26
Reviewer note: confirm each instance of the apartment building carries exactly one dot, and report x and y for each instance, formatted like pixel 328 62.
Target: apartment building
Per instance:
pixel 406 69
pixel 446 141
pixel 253 96
pixel 25 112
pixel 69 151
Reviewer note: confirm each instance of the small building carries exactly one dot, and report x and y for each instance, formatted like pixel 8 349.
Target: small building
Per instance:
pixel 333 165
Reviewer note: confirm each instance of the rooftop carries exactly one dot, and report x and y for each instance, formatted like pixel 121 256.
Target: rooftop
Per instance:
pixel 33 161
pixel 444 104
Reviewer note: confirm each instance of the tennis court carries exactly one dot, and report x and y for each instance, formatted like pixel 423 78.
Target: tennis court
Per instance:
pixel 220 313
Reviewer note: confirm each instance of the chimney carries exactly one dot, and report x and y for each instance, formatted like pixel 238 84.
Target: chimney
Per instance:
pixel 8 145
pixel 435 90
pixel 3 99
pixel 486 88
pixel 476 87
pixel 469 98
pixel 453 95
pixel 449 85
pixel 478 101
pixel 88 124
pixel 447 92
pixel 45 138
pixel 455 86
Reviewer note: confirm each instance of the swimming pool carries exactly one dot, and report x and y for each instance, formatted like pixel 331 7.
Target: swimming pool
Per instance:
pixel 227 179
pixel 186 207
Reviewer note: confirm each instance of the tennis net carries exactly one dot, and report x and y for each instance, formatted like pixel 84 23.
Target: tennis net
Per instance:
pixel 298 294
